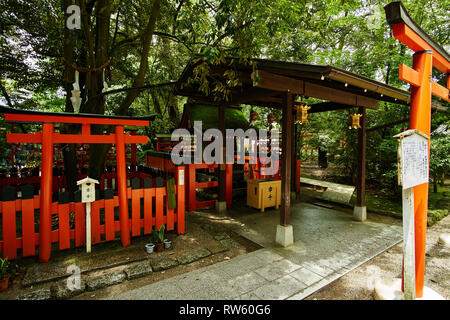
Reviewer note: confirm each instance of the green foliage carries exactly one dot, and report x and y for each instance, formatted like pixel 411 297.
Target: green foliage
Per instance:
pixel 4 268
pixel 158 235
pixel 439 158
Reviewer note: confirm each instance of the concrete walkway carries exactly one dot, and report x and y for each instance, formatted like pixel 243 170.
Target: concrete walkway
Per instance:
pixel 328 244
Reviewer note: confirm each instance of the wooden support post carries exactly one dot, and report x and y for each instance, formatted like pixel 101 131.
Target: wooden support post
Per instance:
pixel 286 160
pixel 408 276
pixel 122 187
pixel 359 211
pixel 421 120
pixel 361 183
pixel 294 157
pixel 133 153
pixel 222 166
pixel 45 221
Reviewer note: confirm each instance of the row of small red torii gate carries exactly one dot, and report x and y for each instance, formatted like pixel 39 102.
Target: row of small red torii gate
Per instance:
pixel 48 137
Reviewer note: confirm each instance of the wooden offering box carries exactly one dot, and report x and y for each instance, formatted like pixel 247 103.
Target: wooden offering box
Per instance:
pixel 263 193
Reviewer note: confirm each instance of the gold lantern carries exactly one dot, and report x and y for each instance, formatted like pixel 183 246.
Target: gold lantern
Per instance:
pixel 355 119
pixel 302 113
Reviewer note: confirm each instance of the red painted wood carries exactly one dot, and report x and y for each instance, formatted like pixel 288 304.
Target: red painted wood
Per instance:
pixel 9 229
pixel 148 209
pixel 159 206
pixel 80 224
pixel 28 244
pixel 135 212
pixel 64 226
pixel 95 221
pixel 109 220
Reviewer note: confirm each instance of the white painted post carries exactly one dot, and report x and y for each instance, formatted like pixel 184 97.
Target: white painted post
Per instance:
pixel 88 227
pixel 412 171
pixel 87 186
pixel 409 267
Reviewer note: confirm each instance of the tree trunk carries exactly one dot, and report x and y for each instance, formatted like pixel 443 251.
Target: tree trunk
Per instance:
pixel 69 153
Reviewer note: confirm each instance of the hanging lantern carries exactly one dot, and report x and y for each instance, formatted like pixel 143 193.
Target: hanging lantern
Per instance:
pixel 302 114
pixel 355 119
pixel 270 118
pixel 253 115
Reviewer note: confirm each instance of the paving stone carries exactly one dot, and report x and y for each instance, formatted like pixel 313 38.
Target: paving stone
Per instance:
pixel 65 289
pixel 221 236
pixel 163 263
pixel 277 269
pixel 306 276
pixel 105 279
pixel 279 289
pixel 137 270
pixel 230 244
pixel 248 281
pixel 218 248
pixel 39 294
pixel 191 256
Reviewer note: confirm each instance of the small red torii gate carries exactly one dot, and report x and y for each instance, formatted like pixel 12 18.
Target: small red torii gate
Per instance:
pixel 427 54
pixel 48 137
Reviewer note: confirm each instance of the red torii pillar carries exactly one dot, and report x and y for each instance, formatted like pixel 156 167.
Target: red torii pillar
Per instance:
pixel 427 54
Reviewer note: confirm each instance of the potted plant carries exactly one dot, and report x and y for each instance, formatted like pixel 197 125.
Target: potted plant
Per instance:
pixel 158 238
pixel 167 243
pixel 4 274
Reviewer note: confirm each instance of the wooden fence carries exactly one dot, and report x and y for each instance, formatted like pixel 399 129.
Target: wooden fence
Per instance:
pixel 149 207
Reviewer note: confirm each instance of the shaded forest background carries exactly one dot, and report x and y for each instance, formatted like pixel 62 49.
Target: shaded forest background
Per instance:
pixel 144 43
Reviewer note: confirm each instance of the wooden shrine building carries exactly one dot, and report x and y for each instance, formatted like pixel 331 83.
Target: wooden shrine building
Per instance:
pixel 278 84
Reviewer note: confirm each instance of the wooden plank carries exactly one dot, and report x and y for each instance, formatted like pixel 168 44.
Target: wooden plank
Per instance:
pixel 64 226
pixel 409 75
pixel 28 243
pixel 135 212
pixel 159 206
pixel 339 96
pixel 439 91
pixel 80 224
pixel 271 81
pixel 109 215
pixel 148 210
pixel 95 220
pixel 9 229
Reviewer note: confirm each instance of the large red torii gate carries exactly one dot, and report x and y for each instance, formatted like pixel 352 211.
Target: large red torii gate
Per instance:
pixel 48 137
pixel 427 54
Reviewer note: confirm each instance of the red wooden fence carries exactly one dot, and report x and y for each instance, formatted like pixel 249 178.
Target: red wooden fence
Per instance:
pixel 149 207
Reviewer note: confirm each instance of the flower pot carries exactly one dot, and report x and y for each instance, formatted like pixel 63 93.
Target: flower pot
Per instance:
pixel 159 247
pixel 167 243
pixel 4 284
pixel 149 247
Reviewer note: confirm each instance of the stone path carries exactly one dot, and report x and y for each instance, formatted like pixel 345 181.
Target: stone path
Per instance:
pixel 328 245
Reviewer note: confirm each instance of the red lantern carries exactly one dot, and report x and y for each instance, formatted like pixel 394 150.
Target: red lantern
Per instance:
pixel 253 115
pixel 270 118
